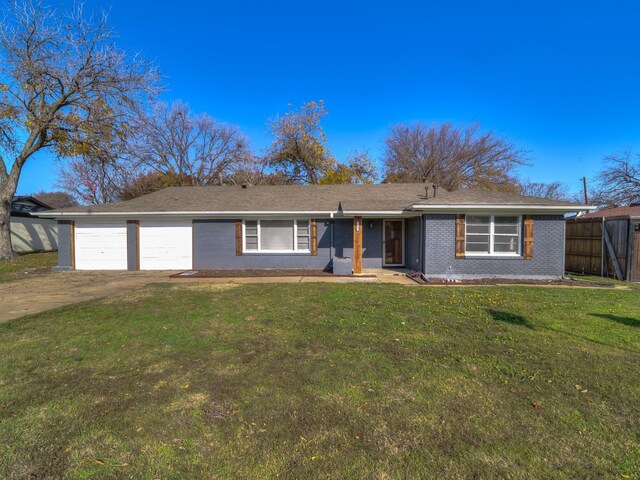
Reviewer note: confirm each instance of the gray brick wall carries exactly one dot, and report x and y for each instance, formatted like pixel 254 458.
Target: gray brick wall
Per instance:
pixel 132 245
pixel 548 252
pixel 215 247
pixel 342 237
pixel 412 243
pixel 371 243
pixel 64 245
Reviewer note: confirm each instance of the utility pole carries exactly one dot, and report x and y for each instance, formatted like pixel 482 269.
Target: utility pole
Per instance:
pixel 586 195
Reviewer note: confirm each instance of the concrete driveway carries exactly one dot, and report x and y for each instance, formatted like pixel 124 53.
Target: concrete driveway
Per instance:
pixel 44 292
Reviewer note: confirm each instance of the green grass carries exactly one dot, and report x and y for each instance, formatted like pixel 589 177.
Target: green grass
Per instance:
pixel 325 381
pixel 30 263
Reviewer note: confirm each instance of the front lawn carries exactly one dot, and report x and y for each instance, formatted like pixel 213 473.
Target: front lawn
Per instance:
pixel 195 380
pixel 26 265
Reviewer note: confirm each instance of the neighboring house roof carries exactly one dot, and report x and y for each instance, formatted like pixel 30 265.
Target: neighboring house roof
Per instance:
pixel 312 199
pixel 632 210
pixel 22 206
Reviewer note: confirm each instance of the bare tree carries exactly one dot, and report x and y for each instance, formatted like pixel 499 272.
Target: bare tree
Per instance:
pixel 63 79
pixel 165 146
pixel 174 141
pixel 56 199
pixel 150 182
pixel 452 157
pixel 254 170
pixel 552 190
pixel 618 183
pixel 98 170
pixel 93 183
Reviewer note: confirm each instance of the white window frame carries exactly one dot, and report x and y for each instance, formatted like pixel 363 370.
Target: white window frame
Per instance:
pixel 492 235
pixel 295 237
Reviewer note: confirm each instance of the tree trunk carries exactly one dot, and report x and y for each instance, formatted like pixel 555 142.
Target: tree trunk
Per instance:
pixel 6 250
pixel 8 187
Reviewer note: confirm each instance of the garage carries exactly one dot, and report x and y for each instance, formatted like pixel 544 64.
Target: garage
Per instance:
pixel 166 245
pixel 100 246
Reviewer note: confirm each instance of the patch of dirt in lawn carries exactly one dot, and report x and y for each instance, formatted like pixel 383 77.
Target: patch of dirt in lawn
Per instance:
pixel 55 461
pixel 218 411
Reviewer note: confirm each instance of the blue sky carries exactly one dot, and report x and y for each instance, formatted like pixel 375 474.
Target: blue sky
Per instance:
pixel 560 79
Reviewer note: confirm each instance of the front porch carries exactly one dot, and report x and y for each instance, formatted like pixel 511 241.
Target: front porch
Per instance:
pixel 382 246
pixel 396 271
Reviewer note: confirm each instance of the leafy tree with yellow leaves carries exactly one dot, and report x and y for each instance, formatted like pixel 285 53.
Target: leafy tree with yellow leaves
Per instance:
pixel 358 169
pixel 299 152
pixel 299 147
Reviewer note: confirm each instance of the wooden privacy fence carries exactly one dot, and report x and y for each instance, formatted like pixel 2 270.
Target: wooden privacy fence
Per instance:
pixel 607 247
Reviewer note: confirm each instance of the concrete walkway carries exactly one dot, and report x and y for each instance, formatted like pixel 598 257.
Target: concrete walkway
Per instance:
pixel 397 279
pixel 44 292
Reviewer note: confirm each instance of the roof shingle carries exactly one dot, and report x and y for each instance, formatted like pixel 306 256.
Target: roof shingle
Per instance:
pixel 307 198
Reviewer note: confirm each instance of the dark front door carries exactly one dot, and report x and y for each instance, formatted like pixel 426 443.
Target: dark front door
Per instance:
pixel 393 242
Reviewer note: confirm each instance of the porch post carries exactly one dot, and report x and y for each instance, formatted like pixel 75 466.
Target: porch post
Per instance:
pixel 357 245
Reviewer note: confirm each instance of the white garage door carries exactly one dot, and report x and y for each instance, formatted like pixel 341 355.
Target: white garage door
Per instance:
pixel 100 246
pixel 165 245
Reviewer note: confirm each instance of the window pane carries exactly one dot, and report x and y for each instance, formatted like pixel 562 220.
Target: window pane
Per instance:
pixel 506 220
pixel 478 239
pixel 478 228
pixel 303 243
pixel 508 229
pixel 505 244
pixel 276 234
pixel 251 227
pixel 477 243
pixel 251 243
pixel 303 227
pixel 472 219
pixel 478 247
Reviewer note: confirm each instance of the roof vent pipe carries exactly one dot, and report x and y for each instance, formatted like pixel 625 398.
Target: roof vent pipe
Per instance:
pixel 426 191
pixel 435 190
